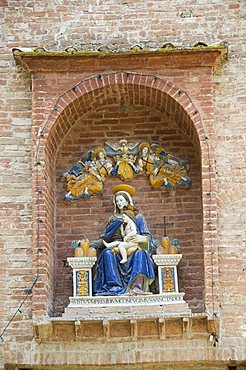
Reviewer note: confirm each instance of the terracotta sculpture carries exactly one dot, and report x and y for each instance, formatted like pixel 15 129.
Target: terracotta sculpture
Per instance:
pixel 130 237
pixel 145 160
pixel 86 177
pixel 137 273
pixel 90 181
pixel 169 172
pixel 125 158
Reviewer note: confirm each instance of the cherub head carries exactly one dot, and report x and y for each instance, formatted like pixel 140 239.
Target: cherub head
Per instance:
pixel 123 142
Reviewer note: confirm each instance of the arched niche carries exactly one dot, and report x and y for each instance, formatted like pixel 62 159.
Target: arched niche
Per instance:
pixel 133 106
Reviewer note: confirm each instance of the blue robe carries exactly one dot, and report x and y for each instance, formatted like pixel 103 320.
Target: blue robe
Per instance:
pixel 113 278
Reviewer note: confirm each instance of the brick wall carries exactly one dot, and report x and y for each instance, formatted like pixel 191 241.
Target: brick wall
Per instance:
pixel 117 24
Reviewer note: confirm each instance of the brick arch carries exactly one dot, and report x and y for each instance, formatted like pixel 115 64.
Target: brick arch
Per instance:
pixel 103 89
pixel 92 94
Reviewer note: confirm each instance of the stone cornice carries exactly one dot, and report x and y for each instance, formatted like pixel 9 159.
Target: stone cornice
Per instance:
pixel 193 326
pixel 167 259
pixel 81 262
pixel 41 60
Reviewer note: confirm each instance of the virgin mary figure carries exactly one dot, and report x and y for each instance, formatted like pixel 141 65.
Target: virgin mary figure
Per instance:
pixel 137 273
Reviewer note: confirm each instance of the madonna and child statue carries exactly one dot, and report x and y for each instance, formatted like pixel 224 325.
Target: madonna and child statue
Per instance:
pixel 125 264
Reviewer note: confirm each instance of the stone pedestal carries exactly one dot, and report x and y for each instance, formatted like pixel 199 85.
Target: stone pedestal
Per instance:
pixel 82 275
pixel 87 307
pixel 167 272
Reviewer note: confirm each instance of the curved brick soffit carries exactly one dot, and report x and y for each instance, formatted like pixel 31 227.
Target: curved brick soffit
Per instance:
pixel 74 101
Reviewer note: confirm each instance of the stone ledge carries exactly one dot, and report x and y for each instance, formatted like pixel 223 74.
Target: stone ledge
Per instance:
pixel 193 326
pixel 58 61
pixel 177 365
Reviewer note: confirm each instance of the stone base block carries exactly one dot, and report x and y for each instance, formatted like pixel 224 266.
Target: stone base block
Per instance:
pixel 126 307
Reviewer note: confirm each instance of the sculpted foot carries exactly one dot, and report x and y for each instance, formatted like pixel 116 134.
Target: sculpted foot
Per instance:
pixel 124 260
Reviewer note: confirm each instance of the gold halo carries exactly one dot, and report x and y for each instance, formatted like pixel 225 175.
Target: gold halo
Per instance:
pixel 96 151
pixel 123 187
pixel 144 145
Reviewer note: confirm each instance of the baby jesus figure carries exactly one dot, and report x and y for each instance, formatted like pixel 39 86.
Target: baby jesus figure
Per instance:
pixel 130 237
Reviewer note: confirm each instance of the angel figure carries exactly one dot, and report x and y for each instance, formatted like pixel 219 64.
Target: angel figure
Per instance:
pixel 87 178
pixel 125 159
pixel 169 171
pixel 146 160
